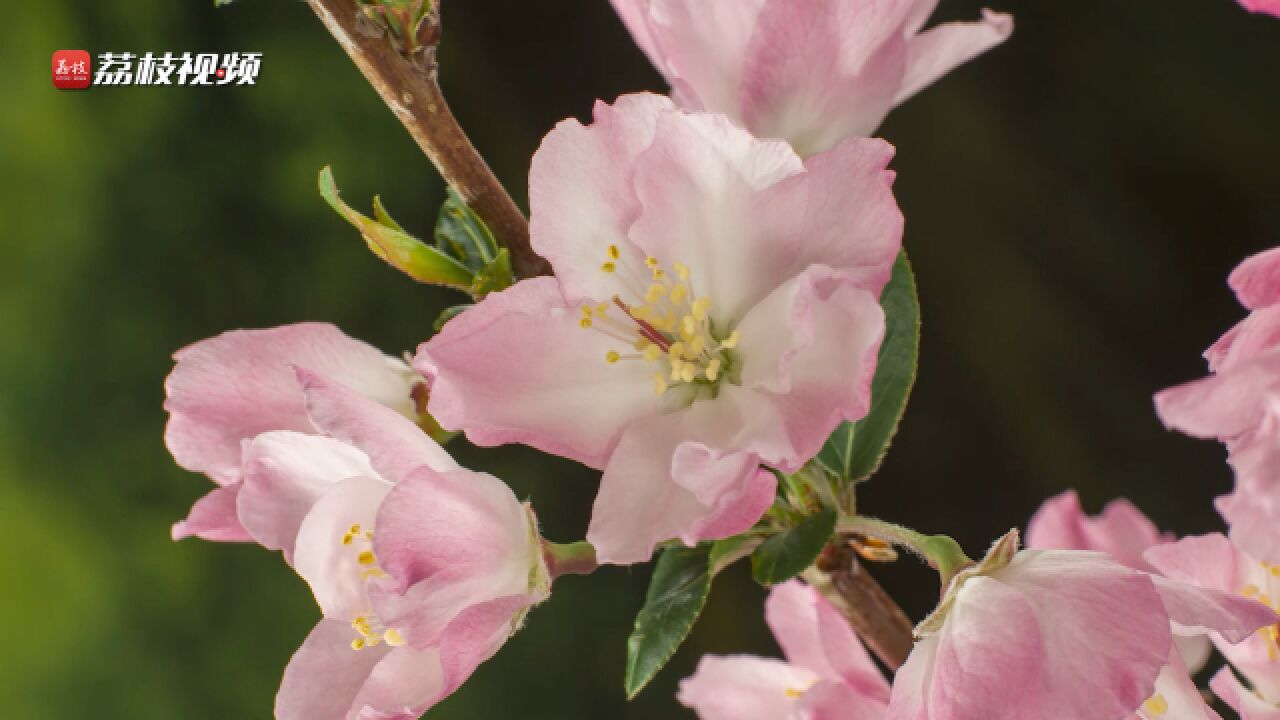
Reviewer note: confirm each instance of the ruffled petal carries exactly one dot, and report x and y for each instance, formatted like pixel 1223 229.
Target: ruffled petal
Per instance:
pixel 394 444
pixel 814 635
pixel 331 566
pixel 1222 406
pixel 518 367
pixel 1256 281
pixel 635 16
pixel 703 44
pixel 837 701
pixel 1257 334
pixel 1176 696
pixel 285 473
pixel 1244 701
pixel 1121 530
pixel 909 698
pixel 692 474
pixel 811 348
pixel 238 385
pixel 744 688
pixel 818 71
pixel 213 517
pixel 938 51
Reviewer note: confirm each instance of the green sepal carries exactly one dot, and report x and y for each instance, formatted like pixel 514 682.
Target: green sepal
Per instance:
pixel 788 553
pixel 677 593
pixel 495 276
pixel 461 234
pixel 399 249
pixel 854 451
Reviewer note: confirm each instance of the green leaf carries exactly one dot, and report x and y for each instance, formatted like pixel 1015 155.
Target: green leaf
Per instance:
pixel 854 450
pixel 399 249
pixel 448 314
pixel 462 234
pixel 677 593
pixel 788 553
pixel 730 550
pixel 495 276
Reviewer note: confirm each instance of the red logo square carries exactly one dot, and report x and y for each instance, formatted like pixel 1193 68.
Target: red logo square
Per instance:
pixel 71 69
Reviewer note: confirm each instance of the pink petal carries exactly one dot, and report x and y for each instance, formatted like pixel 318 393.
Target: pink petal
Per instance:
pixel 1267 7
pixel 938 51
pixel 1224 405
pixel 837 701
pixel 1209 561
pixel 238 385
pixel 818 71
pixel 1256 281
pixel 213 517
pixel 703 44
pixel 744 688
pixel 394 444
pixel 1244 701
pixel 910 696
pixel 285 473
pixel 814 635
pixel 811 347
pixel 476 634
pixel 635 16
pixel 1178 696
pixel 692 474
pixel 518 368
pixel 330 566
pixel 327 680
pixel 1257 334
pixel 1121 531
pixel 581 194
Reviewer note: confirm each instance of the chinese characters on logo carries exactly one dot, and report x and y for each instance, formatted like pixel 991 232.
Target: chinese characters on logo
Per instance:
pixel 72 69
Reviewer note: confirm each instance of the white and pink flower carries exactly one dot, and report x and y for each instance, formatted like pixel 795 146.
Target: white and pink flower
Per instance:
pixel 715 308
pixel 827 675
pixel 812 72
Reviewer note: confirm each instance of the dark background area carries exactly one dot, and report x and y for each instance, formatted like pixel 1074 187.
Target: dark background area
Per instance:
pixel 1074 202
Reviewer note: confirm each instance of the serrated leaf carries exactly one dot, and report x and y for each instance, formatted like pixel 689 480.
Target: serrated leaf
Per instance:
pixel 788 553
pixel 854 450
pixel 463 235
pixel 677 593
pixel 399 249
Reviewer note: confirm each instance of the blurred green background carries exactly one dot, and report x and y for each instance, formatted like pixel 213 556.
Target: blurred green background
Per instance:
pixel 1075 200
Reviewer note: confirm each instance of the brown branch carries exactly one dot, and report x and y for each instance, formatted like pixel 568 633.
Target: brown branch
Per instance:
pixel 410 89
pixel 873 614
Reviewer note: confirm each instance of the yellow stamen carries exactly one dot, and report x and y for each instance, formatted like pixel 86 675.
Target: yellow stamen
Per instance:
pixel 1156 705
pixel 678 294
pixel 696 345
pixel 652 353
pixel 713 369
pixel 346 539
pixel 366 558
pixel 656 292
pixel 659 384
pixel 676 351
pixel 602 308
pixel 609 267
pixel 1249 590
pixel 682 270
pixel 688 326
pixel 393 637
pixel 793 693
pixel 687 372
pixel 731 342
pixel 612 357
pixel 585 323
pixel 651 262
pixel 700 307
pixel 613 252
pixel 357 644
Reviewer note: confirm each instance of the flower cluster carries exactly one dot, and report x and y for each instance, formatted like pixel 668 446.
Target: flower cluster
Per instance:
pixel 729 337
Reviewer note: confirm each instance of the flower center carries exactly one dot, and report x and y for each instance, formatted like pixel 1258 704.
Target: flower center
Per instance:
pixel 1267 596
pixel 370 631
pixel 664 323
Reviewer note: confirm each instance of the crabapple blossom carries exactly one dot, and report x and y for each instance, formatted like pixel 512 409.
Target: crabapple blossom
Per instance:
pixel 1215 562
pixel 422 569
pixel 715 308
pixel 812 72
pixel 227 390
pixel 1072 635
pixel 1239 403
pixel 828 674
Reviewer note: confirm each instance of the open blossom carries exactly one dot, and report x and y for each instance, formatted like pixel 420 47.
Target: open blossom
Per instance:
pixel 715 308
pixel 1239 403
pixel 1214 562
pixel 827 675
pixel 229 389
pixel 1070 635
pixel 422 569
pixel 812 72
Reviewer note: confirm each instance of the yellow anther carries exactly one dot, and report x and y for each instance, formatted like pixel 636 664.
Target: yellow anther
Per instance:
pixel 658 274
pixel 793 693
pixel 586 311
pixel 659 384
pixel 653 352
pixel 368 534
pixel 355 529
pixel 677 370
pixel 678 294
pixel 731 342
pixel 612 357
pixel 602 308
pixel 688 326
pixel 1274 570
pixel 372 641
pixel 1249 590
pixel 585 323
pixel 697 344
pixel 682 270
pixel 346 539
pixel 609 267
pixel 713 369
pixel 357 644
pixel 393 637
pixel 366 558
pixel 656 292
pixel 687 372
pixel 362 626
pixel 640 312
pixel 651 262
pixel 676 351
pixel 700 307
pixel 1156 705
pixel 613 252
pixel 641 344
pixel 1265 599
pixel 373 572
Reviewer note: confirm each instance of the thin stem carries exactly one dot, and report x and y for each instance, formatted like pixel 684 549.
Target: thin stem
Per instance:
pixel 941 552
pixel 870 611
pixel 410 89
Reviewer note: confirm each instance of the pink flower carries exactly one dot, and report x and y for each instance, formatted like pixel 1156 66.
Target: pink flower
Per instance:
pixel 827 675
pixel 1070 635
pixel 1240 404
pixel 228 389
pixel 422 569
pixel 1268 7
pixel 714 308
pixel 812 72
pixel 1214 562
